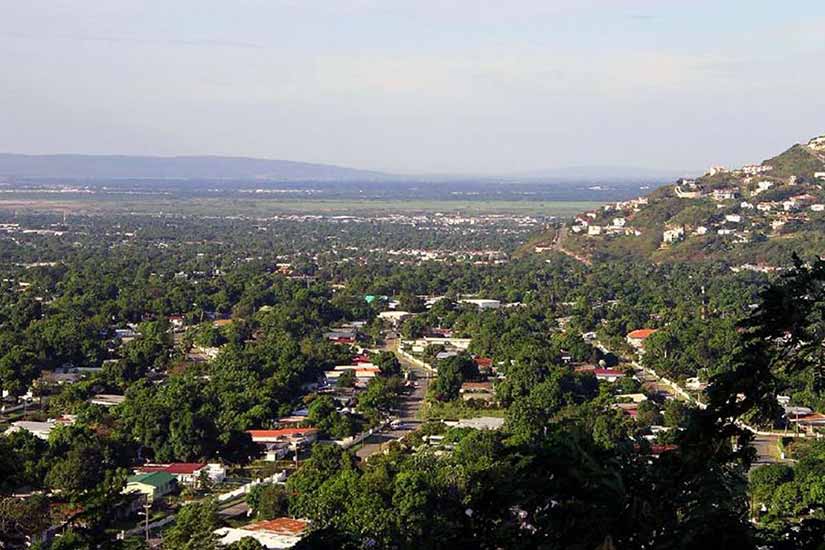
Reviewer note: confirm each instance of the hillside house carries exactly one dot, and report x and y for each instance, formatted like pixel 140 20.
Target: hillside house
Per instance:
pixel 725 194
pixel 762 186
pixel 594 230
pixel 674 235
pixel 637 338
pixel 733 218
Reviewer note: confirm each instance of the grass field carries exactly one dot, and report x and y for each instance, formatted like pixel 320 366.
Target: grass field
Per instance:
pixel 265 207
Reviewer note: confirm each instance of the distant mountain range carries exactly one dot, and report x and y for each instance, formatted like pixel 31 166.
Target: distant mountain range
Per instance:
pixel 110 167
pixel 188 167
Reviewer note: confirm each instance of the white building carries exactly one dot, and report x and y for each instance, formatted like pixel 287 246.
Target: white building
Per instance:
pixel 724 194
pixel 762 186
pixel 40 430
pixel 818 207
pixel 482 303
pixel 701 230
pixel 673 235
pixel 733 218
pixel 594 230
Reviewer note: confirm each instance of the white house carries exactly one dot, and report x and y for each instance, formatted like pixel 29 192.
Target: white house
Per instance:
pixel 40 430
pixel 724 194
pixel 762 186
pixel 481 303
pixel 733 218
pixel 594 230
pixel 673 235
pixel 818 207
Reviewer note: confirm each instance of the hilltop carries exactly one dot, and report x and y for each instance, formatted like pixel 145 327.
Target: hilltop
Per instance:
pixel 757 216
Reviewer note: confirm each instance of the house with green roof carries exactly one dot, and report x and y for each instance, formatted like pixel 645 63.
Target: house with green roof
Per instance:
pixel 153 484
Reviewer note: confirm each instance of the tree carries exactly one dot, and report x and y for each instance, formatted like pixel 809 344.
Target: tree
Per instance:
pixel 246 543
pixel 194 528
pixel 647 414
pixel 267 500
pixel 448 382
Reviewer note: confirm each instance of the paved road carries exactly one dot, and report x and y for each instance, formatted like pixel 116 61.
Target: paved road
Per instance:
pixel 408 411
pixel 767 451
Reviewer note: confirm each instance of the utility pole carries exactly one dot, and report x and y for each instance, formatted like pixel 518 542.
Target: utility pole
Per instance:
pixel 146 507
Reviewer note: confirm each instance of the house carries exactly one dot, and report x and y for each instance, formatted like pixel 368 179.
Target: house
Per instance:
pixel 637 337
pixel 608 375
pixel 107 399
pixel 293 436
pixel 482 391
pixel 809 422
pixel 762 186
pixel 153 485
pixel 764 207
pixel 701 230
pixel 394 317
pixel 484 364
pixel 176 322
pixel 187 473
pixel 619 222
pixel 755 169
pixel 745 205
pixel 594 230
pixel 478 423
pixel 673 235
pixel 273 534
pixel 724 194
pixel 733 218
pixel 632 397
pixel 40 430
pixel 482 303
pixel 819 207
pixel 819 175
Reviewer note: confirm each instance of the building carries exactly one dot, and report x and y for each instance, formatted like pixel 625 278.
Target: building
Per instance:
pixel 762 186
pixel 608 375
pixel 187 473
pixel 40 430
pixel 153 485
pixel 724 194
pixel 478 423
pixel 482 391
pixel 637 337
pixel 754 169
pixel 594 230
pixel 676 234
pixel 394 317
pixel 274 534
pixel 819 175
pixel 482 303
pixel 107 399
pixel 293 436
pixel 733 218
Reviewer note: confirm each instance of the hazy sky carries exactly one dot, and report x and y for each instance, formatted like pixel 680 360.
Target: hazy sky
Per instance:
pixel 496 86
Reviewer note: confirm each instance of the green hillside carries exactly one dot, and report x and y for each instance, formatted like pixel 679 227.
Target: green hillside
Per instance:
pixel 757 215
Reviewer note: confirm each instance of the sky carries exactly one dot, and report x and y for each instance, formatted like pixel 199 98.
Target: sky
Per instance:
pixel 416 87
